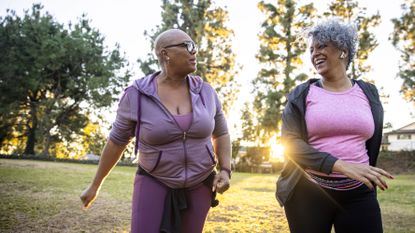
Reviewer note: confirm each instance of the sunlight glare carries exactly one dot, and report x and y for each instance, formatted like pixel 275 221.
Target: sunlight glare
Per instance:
pixel 277 151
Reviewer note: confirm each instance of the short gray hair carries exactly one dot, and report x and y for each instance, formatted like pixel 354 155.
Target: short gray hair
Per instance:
pixel 341 35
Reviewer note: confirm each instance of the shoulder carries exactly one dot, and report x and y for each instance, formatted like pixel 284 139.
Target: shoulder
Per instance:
pixel 131 91
pixel 368 87
pixel 300 90
pixel 197 85
pixel 366 84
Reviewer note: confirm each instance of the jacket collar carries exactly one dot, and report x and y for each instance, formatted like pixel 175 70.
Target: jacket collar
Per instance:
pixel 303 88
pixel 146 84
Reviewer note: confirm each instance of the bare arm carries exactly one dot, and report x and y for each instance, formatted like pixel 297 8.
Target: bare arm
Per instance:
pixel 223 149
pixel 109 158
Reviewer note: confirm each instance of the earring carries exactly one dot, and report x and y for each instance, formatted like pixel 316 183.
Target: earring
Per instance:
pixel 342 55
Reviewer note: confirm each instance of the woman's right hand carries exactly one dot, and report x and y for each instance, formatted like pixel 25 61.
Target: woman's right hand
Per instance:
pixel 367 174
pixel 88 196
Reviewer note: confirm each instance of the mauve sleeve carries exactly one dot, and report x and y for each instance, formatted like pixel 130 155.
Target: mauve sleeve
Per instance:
pixel 221 127
pixel 123 127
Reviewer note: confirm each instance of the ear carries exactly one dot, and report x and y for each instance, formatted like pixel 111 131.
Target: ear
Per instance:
pixel 343 54
pixel 164 54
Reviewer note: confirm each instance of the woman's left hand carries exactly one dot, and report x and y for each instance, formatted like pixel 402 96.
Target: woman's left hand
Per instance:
pixel 369 175
pixel 221 183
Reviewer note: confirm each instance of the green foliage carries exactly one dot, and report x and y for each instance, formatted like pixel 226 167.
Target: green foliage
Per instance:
pixel 403 38
pixel 256 155
pixel 236 146
pixel 350 11
pixel 52 77
pixel 206 25
pixel 249 128
pixel 279 54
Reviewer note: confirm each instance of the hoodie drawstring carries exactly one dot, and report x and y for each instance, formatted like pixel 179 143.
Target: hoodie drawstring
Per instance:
pixel 137 128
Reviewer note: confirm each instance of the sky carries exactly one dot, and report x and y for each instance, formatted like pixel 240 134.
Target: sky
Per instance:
pixel 124 22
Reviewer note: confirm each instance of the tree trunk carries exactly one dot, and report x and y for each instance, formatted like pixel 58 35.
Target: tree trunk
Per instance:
pixel 31 130
pixel 47 144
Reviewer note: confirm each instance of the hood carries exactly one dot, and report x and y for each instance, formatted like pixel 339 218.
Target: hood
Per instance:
pixel 146 84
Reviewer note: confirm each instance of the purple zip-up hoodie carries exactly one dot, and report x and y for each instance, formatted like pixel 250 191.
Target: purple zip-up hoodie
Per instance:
pixel 176 158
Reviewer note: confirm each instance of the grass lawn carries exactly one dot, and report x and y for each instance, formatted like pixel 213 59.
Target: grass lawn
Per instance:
pixel 43 197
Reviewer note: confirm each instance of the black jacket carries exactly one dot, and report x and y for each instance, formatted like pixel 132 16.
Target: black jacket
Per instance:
pixel 299 154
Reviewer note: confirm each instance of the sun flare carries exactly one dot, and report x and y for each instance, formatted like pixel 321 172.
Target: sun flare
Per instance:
pixel 277 151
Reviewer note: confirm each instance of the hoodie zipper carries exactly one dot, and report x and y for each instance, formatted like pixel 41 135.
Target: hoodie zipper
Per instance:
pixel 183 138
pixel 185 158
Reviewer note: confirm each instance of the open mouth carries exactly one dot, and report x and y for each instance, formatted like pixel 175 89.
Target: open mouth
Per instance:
pixel 319 61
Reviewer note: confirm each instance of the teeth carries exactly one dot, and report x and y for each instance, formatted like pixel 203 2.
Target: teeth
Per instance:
pixel 319 61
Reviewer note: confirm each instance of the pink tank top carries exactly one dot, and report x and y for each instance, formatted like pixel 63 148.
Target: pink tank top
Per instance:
pixel 184 121
pixel 339 123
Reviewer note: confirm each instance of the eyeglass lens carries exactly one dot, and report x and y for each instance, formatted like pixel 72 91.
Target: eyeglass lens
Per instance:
pixel 190 46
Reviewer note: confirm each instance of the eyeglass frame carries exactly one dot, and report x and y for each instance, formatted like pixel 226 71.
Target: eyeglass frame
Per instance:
pixel 185 44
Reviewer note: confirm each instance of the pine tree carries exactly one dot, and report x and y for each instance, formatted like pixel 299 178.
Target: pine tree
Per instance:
pixel 403 38
pixel 279 55
pixel 249 130
pixel 206 25
pixel 350 11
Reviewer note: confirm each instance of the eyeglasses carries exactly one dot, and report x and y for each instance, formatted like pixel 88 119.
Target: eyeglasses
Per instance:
pixel 189 45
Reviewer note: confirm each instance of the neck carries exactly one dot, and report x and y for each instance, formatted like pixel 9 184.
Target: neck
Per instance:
pixel 336 83
pixel 172 80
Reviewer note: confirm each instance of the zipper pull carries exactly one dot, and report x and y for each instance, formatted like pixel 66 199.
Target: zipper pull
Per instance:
pixel 184 136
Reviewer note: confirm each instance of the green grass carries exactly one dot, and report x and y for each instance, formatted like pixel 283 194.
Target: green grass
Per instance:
pixel 44 197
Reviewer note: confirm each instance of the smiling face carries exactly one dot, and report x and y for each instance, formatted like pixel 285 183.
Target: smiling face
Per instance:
pixel 173 48
pixel 327 59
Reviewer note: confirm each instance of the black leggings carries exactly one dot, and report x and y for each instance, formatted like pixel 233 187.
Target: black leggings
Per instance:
pixel 312 209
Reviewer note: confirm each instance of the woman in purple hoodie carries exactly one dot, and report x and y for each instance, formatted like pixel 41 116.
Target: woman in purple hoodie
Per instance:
pixel 181 135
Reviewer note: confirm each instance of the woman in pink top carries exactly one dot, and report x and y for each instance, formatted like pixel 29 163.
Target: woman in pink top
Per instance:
pixel 181 135
pixel 332 129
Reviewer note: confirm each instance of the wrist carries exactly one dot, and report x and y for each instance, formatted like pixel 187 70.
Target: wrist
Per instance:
pixel 228 171
pixel 338 166
pixel 95 185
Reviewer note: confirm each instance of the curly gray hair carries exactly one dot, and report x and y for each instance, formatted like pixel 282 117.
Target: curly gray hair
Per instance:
pixel 341 35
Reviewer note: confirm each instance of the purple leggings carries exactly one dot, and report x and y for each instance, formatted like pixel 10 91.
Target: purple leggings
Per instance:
pixel 148 206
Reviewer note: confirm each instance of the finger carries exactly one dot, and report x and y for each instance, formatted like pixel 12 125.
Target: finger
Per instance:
pixel 215 183
pixel 219 187
pixel 378 183
pixel 83 199
pixel 85 202
pixel 223 186
pixel 383 182
pixel 89 202
pixel 374 180
pixel 367 183
pixel 377 178
pixel 383 172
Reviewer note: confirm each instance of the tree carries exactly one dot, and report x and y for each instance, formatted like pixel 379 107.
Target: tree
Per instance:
pixel 236 146
pixel 206 25
pixel 249 130
pixel 54 76
pixel 350 11
pixel 279 55
pixel 403 38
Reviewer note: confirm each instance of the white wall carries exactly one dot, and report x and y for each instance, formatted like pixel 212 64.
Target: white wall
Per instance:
pixel 401 144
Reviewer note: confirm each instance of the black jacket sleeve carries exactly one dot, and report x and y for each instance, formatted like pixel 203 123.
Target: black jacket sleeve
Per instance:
pixel 294 137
